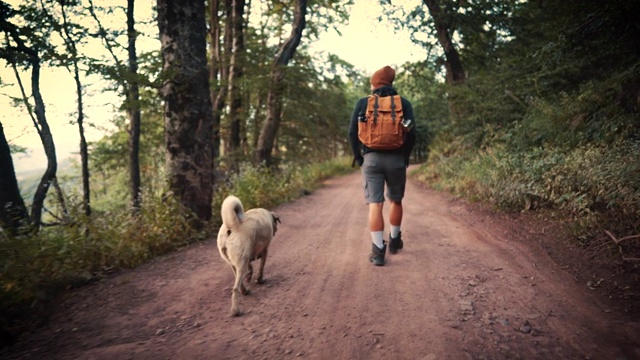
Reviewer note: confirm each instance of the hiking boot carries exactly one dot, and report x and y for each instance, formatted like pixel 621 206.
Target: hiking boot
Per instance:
pixel 377 255
pixel 395 244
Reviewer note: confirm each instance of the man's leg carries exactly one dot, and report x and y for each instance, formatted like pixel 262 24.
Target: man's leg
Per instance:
pixel 374 176
pixel 395 220
pixel 376 220
pixel 395 214
pixel 376 226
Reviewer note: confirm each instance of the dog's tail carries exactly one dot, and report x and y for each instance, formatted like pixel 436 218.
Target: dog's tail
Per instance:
pixel 232 212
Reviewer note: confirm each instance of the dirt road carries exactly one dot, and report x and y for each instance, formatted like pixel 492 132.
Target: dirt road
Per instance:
pixel 467 285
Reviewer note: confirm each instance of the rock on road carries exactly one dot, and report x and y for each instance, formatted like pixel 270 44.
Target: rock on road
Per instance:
pixel 467 285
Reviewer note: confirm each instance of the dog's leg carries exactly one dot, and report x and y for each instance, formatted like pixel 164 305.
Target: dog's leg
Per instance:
pixel 243 281
pixel 263 260
pixel 238 289
pixel 244 290
pixel 235 272
pixel 250 274
pixel 235 311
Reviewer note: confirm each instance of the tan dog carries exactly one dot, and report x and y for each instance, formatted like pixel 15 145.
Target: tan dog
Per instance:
pixel 242 238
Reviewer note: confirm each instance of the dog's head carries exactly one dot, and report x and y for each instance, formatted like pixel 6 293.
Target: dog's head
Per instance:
pixel 276 219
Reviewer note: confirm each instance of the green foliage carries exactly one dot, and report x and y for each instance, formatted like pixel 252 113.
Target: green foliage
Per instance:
pixel 316 114
pixel 266 187
pixel 315 173
pixel 580 181
pixel 592 115
pixel 417 82
pixel 548 119
pixel 63 255
pixel 249 185
pixel 17 149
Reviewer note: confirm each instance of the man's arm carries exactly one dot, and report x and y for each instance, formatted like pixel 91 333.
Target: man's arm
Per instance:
pixel 353 133
pixel 410 139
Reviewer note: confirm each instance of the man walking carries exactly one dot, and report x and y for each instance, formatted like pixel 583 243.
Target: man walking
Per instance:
pixel 383 164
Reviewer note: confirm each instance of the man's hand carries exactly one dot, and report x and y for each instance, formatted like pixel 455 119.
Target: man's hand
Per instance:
pixel 357 160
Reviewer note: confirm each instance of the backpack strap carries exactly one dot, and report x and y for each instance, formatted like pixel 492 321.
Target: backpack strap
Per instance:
pixel 393 109
pixel 375 109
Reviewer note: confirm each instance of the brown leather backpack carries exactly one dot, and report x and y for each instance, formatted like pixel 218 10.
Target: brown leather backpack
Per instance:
pixel 382 126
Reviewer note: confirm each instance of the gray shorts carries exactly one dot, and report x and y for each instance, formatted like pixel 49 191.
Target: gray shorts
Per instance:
pixel 379 169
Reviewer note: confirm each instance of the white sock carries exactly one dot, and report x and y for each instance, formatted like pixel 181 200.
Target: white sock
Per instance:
pixel 378 238
pixel 395 231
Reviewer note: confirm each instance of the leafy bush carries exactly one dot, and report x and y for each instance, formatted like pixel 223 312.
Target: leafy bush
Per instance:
pixel 266 187
pixel 586 183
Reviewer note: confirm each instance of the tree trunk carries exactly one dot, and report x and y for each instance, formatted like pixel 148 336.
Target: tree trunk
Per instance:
pixel 47 142
pixel 13 212
pixel 133 110
pixel 40 121
pixel 215 62
pixel 235 75
pixel 220 66
pixel 84 149
pixel 455 71
pixel 257 122
pixel 274 98
pixel 187 104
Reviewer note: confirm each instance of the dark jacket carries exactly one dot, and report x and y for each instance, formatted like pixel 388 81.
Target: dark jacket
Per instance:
pixel 361 106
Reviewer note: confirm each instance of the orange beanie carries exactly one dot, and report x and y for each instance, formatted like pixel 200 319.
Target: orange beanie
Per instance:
pixel 382 77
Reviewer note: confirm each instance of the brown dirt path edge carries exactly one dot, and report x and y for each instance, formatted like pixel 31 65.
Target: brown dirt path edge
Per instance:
pixel 467 285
